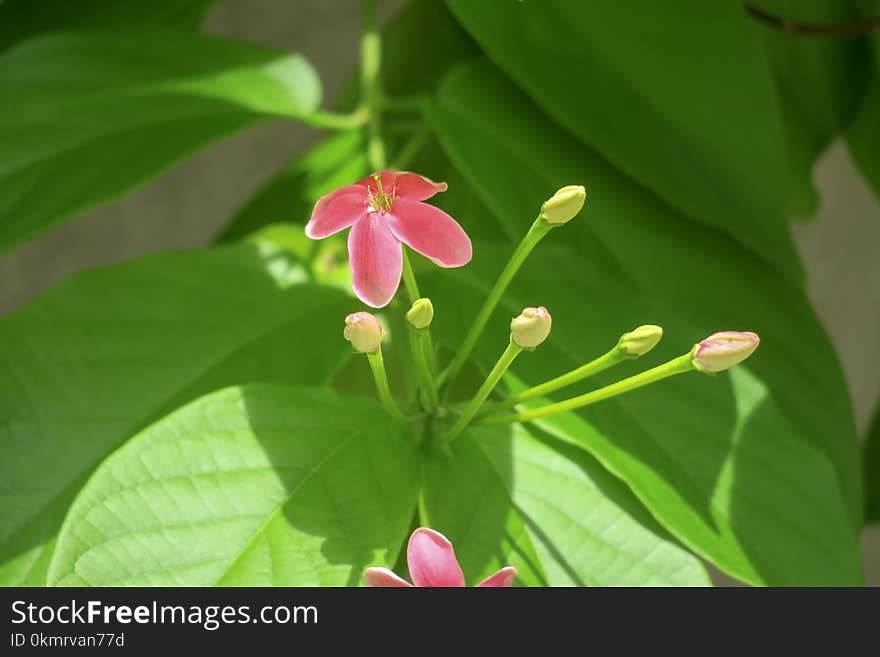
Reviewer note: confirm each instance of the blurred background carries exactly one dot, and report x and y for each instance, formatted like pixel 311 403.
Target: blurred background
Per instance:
pixel 187 206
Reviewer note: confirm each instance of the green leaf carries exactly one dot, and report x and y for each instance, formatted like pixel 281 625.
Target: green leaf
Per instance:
pixel 421 44
pixel 820 81
pixel 682 102
pixel 871 459
pixel 261 485
pixel 863 135
pixel 20 19
pixel 746 469
pixel 337 161
pixel 96 358
pixel 88 117
pixel 507 497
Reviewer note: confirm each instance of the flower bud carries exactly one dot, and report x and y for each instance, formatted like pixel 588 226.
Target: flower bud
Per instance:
pixel 531 327
pixel 640 341
pixel 564 204
pixel 421 314
pixel 723 350
pixel 364 332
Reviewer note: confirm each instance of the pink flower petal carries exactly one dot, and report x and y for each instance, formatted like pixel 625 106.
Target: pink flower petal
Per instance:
pixel 336 211
pixel 432 560
pixel 431 232
pixel 404 184
pixel 382 577
pixel 376 260
pixel 502 578
pixel 414 187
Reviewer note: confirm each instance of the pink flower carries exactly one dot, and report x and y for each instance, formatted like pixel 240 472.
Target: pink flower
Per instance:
pixel 432 562
pixel 384 210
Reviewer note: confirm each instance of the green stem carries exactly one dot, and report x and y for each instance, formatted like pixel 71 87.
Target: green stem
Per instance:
pixel 678 365
pixel 412 291
pixel 377 364
pixel 409 279
pixel 417 338
pixel 334 121
pixel 371 91
pixel 600 364
pixel 489 384
pixel 371 99
pixel 539 228
pixel 430 353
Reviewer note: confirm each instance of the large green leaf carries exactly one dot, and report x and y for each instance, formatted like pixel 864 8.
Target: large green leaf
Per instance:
pixel 93 360
pixel 863 136
pixel 694 450
pixel 677 96
pixel 270 485
pixel 505 497
pixel 87 117
pixel 262 485
pixel 20 19
pixel 421 44
pixel 872 471
pixel 820 80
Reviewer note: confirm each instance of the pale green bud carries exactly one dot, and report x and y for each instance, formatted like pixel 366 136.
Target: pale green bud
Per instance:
pixel 364 332
pixel 421 314
pixel 531 327
pixel 564 204
pixel 723 350
pixel 640 341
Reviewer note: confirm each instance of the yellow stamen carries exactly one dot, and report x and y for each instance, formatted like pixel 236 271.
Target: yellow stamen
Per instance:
pixel 381 200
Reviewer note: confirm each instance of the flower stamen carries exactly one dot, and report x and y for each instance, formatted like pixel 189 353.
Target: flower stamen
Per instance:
pixel 380 200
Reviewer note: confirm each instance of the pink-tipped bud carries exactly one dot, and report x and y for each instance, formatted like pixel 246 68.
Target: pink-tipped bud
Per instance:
pixel 723 350
pixel 364 332
pixel 531 327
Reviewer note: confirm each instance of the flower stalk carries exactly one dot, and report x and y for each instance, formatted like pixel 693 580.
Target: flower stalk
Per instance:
pixel 417 340
pixel 409 278
pixel 377 364
pixel 419 318
pixel 536 233
pixel 630 345
pixel 675 366
pixel 556 211
pixel 513 350
pixel 365 334
pixel 595 366
pixel 716 353
pixel 425 339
